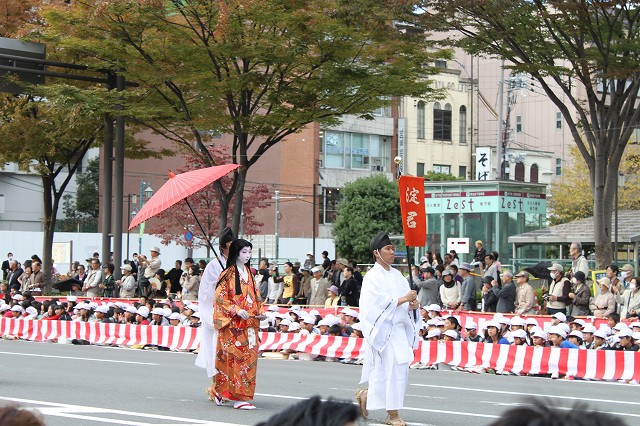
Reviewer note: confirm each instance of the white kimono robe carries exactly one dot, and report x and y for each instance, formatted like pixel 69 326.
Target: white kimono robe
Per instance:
pixel 390 333
pixel 208 335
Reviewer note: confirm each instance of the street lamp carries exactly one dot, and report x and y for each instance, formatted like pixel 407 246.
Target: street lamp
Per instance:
pixel 145 193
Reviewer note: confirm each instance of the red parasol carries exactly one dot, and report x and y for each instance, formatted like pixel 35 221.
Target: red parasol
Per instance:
pixel 179 187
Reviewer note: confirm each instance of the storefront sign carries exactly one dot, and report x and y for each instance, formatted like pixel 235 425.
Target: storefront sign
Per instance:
pixel 483 163
pixel 485 202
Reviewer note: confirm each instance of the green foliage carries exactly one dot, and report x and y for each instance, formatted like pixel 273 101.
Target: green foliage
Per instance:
pixel 572 197
pixel 260 70
pixel 573 49
pixel 368 205
pixel 87 201
pixel 439 177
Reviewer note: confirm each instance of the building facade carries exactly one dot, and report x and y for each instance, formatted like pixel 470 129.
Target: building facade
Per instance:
pixel 439 134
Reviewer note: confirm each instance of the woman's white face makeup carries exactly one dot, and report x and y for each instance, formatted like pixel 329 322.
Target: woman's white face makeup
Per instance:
pixel 245 255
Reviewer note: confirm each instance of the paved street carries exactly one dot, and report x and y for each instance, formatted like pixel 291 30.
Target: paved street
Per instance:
pixel 81 385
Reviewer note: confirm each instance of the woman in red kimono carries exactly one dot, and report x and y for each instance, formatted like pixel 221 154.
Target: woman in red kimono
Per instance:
pixel 237 314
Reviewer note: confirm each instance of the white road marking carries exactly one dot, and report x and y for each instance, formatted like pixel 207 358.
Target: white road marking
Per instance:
pixel 582 399
pixel 74 412
pixel 80 359
pixel 426 410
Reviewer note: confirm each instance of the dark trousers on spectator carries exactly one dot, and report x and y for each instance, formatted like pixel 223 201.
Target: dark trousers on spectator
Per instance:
pixel 552 311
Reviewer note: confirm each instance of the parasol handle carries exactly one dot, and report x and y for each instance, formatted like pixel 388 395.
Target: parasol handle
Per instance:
pixel 204 233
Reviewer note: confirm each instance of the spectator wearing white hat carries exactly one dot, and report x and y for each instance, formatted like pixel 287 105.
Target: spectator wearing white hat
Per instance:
pixel 605 302
pixel 86 313
pixel 194 320
pixel 472 335
pixel 577 338
pixel 319 287
pixel 130 314
pixel 102 314
pixel 558 318
pixel 587 335
pixel 157 317
pixel 450 336
pixel 520 338
pixel 349 317
pixel 539 338
pixel 599 340
pixel 557 335
pixel 559 290
pixel 309 323
pixel 309 261
pixel 175 320
pixel 31 313
pixel 629 301
pixel 323 327
pixel 493 333
pixel 126 283
pixel 627 342
pixel 142 315
pixel 16 312
pixel 525 296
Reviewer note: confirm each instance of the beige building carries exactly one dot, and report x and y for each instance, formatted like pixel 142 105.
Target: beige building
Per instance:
pixel 439 134
pixel 535 122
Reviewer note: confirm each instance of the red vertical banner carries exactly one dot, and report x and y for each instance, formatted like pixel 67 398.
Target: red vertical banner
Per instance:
pixel 414 216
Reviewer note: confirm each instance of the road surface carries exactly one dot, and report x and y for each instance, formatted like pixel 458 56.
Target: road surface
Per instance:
pixel 91 385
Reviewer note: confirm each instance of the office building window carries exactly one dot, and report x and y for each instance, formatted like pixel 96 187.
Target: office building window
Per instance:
pixel 441 168
pixel 558 120
pixel 533 173
pixel 331 199
pixel 518 124
pixel 558 166
pixel 519 172
pixel 441 64
pixel 462 172
pixel 360 151
pixel 442 122
pixel 420 120
pixel 420 169
pixel 463 124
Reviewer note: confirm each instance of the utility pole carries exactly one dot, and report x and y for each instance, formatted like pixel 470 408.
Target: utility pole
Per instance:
pixel 277 198
pixel 500 123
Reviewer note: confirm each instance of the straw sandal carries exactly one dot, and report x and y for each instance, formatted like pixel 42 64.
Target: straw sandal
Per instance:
pixel 361 398
pixel 214 396
pixel 395 422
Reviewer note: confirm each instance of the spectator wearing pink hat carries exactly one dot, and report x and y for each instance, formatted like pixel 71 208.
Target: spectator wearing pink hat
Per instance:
pixel 333 298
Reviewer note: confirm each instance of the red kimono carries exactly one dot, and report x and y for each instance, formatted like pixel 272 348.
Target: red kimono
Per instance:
pixel 237 349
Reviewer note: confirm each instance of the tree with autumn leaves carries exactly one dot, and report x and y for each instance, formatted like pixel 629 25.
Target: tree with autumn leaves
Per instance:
pixel 583 53
pixel 572 198
pixel 172 224
pixel 259 70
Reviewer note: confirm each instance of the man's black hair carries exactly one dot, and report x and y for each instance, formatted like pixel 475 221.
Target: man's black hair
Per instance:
pixel 544 413
pixel 315 412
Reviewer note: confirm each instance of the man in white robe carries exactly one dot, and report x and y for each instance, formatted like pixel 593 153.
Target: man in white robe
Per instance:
pixel 206 295
pixel 390 327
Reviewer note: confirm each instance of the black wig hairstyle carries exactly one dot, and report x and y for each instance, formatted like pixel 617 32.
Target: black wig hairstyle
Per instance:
pixel 234 251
